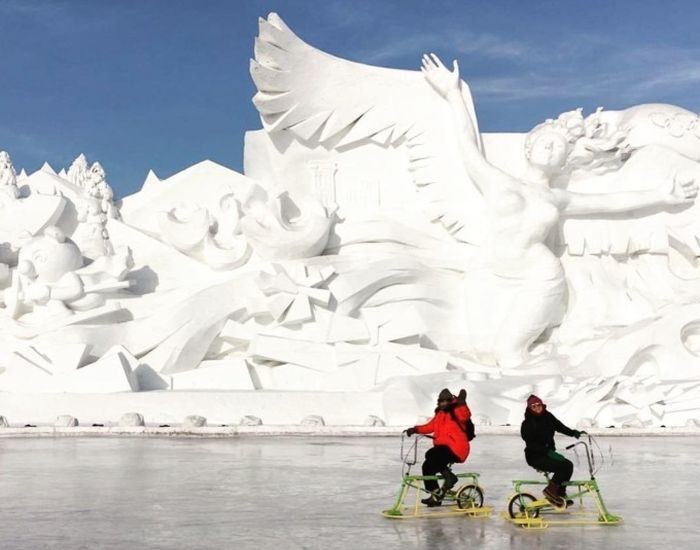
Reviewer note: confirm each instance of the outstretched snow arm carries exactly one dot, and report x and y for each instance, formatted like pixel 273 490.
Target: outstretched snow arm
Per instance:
pixel 488 179
pixel 676 191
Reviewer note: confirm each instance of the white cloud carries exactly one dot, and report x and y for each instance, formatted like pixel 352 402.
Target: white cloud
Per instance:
pixel 594 66
pixel 457 42
pixel 582 66
pixel 346 14
pixel 489 45
pixel 681 76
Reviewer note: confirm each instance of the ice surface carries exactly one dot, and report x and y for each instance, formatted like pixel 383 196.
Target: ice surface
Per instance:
pixel 312 492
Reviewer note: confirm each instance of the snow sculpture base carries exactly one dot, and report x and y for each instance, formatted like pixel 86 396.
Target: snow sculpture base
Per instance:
pixel 171 407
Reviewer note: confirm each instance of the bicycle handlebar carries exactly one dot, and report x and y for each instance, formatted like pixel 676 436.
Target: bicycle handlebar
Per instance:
pixel 569 447
pixel 589 453
pixel 403 434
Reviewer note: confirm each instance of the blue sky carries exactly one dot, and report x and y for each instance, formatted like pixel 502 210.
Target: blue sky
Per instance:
pixel 163 84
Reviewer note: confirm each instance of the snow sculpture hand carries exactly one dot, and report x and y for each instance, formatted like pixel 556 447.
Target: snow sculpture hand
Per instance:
pixel 39 293
pixel 681 189
pixel 438 76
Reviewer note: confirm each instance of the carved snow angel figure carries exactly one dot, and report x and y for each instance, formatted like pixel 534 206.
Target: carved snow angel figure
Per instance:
pixel 495 230
pixel 520 289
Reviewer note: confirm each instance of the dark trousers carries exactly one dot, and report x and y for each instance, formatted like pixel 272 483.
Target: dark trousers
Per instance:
pixel 436 460
pixel 560 467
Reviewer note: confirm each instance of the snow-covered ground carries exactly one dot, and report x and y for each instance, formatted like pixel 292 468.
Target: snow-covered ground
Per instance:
pixel 312 492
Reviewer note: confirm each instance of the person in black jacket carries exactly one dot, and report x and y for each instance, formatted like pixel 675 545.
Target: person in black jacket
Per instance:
pixel 538 432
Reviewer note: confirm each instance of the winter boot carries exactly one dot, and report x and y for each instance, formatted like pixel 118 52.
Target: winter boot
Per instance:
pixel 551 493
pixel 563 495
pixel 432 501
pixel 450 480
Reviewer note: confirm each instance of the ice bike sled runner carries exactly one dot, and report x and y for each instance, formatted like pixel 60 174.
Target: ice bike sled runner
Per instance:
pixel 466 499
pixel 530 512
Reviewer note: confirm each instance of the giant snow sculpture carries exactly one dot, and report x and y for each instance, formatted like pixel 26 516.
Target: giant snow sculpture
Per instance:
pixel 374 246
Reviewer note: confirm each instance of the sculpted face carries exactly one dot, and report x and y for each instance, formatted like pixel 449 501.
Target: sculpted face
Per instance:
pixel 50 256
pixel 549 151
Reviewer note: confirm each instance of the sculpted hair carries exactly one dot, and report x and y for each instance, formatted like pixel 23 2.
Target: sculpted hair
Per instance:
pixel 569 125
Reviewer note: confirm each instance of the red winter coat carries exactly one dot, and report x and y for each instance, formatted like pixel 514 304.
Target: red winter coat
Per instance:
pixel 447 432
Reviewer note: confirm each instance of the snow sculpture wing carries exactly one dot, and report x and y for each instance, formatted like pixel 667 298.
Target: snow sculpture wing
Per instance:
pixel 340 104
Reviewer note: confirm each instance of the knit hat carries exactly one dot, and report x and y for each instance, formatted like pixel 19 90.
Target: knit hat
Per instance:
pixel 534 399
pixel 445 395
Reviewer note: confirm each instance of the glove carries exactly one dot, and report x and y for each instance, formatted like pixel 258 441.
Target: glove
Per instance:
pixel 410 431
pixel 577 434
pixel 462 397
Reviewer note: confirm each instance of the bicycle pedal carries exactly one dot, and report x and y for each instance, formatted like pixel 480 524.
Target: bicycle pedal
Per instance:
pixel 558 506
pixel 555 502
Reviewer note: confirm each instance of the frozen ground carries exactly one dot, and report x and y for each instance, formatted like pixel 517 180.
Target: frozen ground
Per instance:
pixel 311 492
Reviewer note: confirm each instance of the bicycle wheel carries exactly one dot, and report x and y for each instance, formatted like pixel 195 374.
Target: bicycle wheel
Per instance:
pixel 470 496
pixel 518 506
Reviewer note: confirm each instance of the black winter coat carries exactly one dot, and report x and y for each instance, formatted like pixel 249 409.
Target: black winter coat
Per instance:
pixel 538 432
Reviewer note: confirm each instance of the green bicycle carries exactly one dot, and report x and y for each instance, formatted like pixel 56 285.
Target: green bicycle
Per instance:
pixel 465 500
pixel 529 512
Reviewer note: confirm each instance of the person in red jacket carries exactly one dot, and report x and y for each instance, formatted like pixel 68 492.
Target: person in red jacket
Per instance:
pixel 450 443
